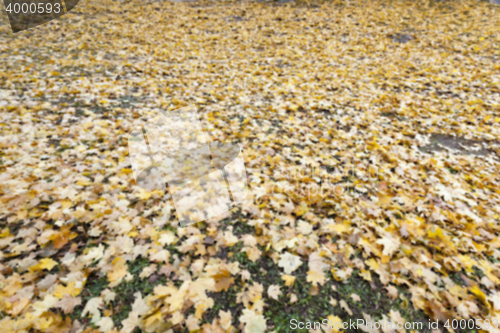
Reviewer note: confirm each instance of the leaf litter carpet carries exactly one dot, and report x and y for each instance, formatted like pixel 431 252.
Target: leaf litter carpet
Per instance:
pixel 334 104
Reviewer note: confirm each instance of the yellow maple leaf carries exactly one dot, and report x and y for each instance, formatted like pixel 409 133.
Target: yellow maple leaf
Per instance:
pixel 316 277
pixel 289 280
pixel 5 233
pixel 118 271
pixel 71 290
pixel 480 295
pixel 334 323
pixel 254 323
pixel 153 320
pixel 340 228
pixel 372 263
pixel 46 263
pixel 253 253
pixel 365 275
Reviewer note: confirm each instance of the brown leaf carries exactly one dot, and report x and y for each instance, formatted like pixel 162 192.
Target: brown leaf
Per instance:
pixel 68 303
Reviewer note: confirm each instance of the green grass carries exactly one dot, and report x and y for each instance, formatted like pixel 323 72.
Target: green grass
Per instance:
pixel 125 291
pixel 374 300
pixel 279 313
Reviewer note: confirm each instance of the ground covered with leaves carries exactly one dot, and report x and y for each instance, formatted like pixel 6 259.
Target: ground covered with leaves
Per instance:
pixel 371 138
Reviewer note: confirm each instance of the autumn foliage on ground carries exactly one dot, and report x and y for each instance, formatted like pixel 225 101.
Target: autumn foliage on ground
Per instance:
pixel 347 94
